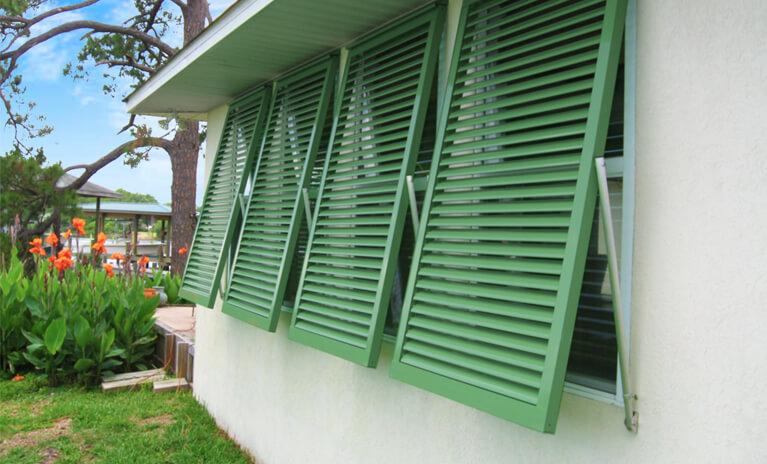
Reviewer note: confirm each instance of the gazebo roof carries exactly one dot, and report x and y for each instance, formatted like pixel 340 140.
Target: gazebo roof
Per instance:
pixel 123 209
pixel 89 189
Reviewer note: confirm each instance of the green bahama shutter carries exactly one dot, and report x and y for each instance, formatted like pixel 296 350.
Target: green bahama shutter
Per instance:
pixel 359 215
pixel 491 300
pixel 220 210
pixel 275 211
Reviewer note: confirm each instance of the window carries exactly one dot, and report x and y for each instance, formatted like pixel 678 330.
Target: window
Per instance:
pixel 492 298
pixel 360 211
pixel 220 207
pixel 275 210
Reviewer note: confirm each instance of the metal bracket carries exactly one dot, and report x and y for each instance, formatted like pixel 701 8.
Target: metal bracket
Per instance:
pixel 413 204
pixel 307 208
pixel 629 397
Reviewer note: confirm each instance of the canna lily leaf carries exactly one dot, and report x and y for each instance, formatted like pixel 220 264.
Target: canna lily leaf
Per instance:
pixel 84 364
pixel 55 335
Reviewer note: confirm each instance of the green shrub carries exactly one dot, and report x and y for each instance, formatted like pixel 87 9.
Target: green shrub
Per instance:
pixel 73 321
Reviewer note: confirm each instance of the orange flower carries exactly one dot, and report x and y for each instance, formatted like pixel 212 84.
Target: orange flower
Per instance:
pixel 102 237
pixel 62 263
pixel 37 249
pixel 65 253
pixel 17 378
pixel 142 262
pixel 110 270
pixel 79 225
pixel 52 240
pixel 182 251
pixel 66 234
pixel 52 259
pixel 99 248
pixel 118 256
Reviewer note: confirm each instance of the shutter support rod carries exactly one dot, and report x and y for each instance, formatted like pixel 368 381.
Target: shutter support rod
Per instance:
pixel 629 397
pixel 307 208
pixel 413 204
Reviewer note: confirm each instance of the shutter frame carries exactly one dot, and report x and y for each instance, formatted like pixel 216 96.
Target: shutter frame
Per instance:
pixel 367 355
pixel 328 68
pixel 543 414
pixel 207 297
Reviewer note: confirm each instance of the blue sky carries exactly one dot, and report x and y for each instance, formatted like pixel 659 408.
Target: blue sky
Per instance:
pixel 85 120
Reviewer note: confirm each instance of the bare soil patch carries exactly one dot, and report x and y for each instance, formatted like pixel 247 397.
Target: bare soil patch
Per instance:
pixel 35 437
pixel 163 419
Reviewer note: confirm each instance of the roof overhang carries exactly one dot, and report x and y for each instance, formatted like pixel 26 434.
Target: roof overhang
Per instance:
pixel 253 42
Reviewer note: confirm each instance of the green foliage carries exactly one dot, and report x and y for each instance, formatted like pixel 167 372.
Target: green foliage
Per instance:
pixel 172 284
pixel 76 324
pixel 27 190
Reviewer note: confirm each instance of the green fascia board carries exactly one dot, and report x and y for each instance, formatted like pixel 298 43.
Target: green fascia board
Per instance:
pixel 258 97
pixel 433 19
pixel 543 415
pixel 329 67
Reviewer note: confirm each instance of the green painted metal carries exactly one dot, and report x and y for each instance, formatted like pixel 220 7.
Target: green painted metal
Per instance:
pixel 498 263
pixel 275 210
pixel 221 207
pixel 359 214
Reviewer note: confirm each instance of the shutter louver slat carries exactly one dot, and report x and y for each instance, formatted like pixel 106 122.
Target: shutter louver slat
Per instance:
pixel 220 209
pixel 489 309
pixel 275 209
pixel 347 277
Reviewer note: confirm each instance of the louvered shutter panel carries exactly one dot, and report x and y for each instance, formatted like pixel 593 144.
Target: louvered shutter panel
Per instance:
pixel 491 300
pixel 275 209
pixel 220 207
pixel 346 281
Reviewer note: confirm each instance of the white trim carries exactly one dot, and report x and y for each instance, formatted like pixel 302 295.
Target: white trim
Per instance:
pixel 228 22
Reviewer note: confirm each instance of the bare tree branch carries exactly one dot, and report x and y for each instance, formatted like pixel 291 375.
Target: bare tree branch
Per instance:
pixel 128 62
pixel 29 22
pixel 95 27
pixel 91 169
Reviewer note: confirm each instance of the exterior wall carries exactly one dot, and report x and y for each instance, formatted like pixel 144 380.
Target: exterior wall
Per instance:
pixel 698 311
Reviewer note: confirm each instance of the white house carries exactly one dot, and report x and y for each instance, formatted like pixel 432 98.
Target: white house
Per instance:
pixel 398 249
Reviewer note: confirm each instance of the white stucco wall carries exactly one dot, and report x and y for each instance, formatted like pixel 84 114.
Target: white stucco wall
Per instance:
pixel 699 309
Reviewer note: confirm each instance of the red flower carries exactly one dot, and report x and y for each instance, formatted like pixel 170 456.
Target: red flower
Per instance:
pixel 17 378
pixel 110 270
pixel 52 259
pixel 52 240
pixel 182 251
pixel 79 225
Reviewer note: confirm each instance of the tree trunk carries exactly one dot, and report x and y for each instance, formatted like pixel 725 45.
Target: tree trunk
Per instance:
pixel 183 158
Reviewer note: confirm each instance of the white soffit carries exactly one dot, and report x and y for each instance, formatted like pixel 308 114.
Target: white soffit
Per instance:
pixel 253 42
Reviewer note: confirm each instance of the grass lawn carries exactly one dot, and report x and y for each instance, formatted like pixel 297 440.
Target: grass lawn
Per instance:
pixel 39 424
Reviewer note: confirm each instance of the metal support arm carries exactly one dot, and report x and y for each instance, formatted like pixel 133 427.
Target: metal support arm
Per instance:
pixel 629 397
